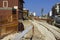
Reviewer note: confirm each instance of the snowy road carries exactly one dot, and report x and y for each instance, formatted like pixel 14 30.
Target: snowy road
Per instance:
pixel 53 29
pixel 42 31
pixel 47 35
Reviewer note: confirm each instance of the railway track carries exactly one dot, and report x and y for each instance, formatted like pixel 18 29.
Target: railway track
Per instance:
pixel 41 31
pixel 54 30
pixel 46 34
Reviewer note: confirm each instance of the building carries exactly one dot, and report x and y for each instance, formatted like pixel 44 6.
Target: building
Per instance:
pixel 34 14
pixel 54 15
pixel 20 7
pixel 56 9
pixel 10 12
pixel 25 13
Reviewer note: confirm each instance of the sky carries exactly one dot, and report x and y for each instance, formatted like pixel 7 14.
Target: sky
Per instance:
pixel 37 5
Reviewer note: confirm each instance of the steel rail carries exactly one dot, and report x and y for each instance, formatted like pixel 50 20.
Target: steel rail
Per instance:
pixel 51 29
pixel 51 26
pixel 20 35
pixel 46 33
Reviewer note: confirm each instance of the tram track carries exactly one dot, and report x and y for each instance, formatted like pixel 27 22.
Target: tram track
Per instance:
pixel 55 31
pixel 40 31
pixel 44 31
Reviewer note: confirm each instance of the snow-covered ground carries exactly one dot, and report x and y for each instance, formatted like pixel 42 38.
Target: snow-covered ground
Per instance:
pixel 47 35
pixel 53 29
pixel 42 31
pixel 10 37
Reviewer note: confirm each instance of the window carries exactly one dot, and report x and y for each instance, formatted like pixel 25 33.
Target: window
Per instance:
pixel 13 11
pixel 5 3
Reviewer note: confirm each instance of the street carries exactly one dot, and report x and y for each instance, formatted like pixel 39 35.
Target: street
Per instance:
pixel 41 31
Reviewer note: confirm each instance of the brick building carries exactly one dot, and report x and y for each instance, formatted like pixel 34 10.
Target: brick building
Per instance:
pixel 10 12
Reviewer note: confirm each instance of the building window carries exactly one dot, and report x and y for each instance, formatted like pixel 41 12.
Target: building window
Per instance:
pixel 13 11
pixel 5 4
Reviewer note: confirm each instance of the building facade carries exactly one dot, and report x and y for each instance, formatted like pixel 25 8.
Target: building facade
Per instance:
pixel 25 13
pixel 56 9
pixel 10 12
